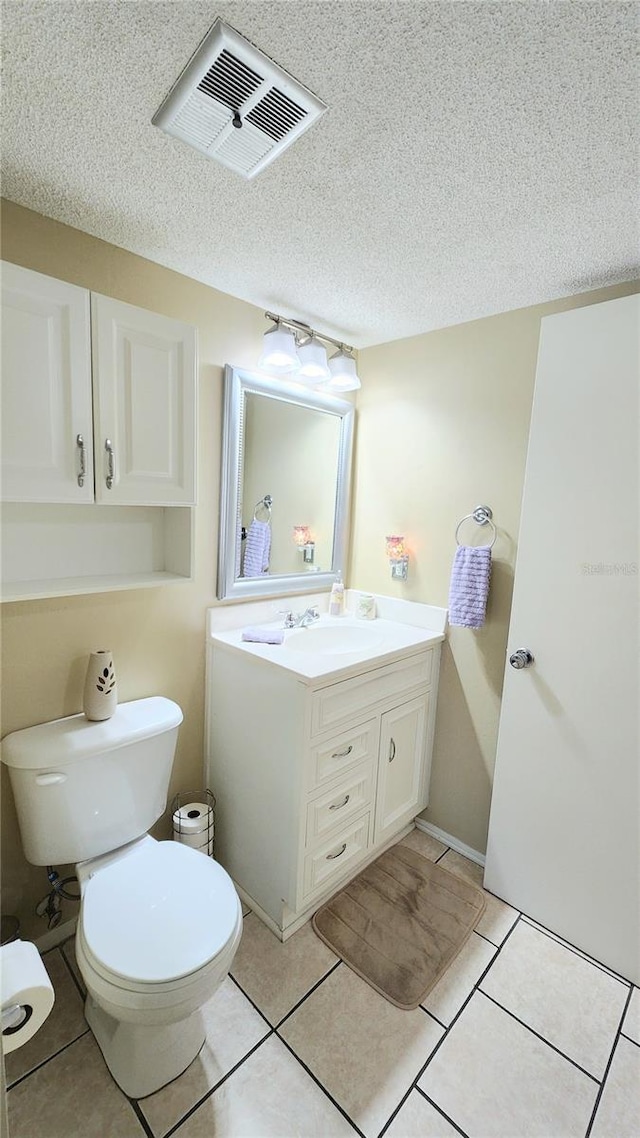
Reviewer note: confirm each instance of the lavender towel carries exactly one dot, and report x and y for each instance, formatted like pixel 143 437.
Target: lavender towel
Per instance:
pixel 263 635
pixel 257 548
pixel 469 585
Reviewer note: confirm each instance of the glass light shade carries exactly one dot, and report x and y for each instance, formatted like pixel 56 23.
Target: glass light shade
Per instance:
pixel 344 376
pixel 395 547
pixel 313 361
pixel 279 352
pixel 301 535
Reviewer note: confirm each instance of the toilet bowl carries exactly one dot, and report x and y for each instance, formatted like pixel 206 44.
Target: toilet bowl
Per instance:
pixel 158 928
pixel 159 922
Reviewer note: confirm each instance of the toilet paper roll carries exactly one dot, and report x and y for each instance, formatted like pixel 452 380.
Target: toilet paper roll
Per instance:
pixel 194 818
pixel 26 992
pixel 196 841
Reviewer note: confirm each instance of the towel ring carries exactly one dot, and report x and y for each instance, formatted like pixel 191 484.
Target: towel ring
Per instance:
pixel 266 503
pixel 481 515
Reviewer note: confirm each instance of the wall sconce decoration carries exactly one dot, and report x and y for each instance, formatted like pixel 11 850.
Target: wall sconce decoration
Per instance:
pixel 398 557
pixel 293 349
pixel 302 538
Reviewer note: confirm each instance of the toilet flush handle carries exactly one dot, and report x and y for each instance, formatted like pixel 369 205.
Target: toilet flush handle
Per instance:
pixel 50 779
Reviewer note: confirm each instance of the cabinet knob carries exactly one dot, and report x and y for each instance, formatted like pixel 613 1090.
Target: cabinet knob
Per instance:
pixel 108 446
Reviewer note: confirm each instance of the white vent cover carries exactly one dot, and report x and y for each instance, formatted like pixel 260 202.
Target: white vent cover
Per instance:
pixel 235 105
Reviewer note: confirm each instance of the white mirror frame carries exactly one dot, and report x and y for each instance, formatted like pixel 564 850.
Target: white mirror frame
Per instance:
pixel 237 384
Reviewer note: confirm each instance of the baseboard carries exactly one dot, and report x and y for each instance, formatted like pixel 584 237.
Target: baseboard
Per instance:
pixel 54 937
pixel 449 840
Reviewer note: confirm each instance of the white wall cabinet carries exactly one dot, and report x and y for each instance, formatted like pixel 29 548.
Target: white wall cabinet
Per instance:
pixel 144 368
pixel 313 779
pixel 98 414
pixel 47 431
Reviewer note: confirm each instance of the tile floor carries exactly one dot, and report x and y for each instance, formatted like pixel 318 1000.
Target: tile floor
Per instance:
pixel 523 1036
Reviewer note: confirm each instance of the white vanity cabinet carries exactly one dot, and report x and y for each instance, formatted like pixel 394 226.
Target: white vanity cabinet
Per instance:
pixel 314 778
pixel 98 412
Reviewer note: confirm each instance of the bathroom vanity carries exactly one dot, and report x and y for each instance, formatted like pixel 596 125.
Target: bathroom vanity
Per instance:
pixel 318 751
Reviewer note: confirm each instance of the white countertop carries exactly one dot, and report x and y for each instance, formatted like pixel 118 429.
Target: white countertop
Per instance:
pixel 389 640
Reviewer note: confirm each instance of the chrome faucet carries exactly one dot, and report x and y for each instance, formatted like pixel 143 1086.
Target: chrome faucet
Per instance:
pixel 302 619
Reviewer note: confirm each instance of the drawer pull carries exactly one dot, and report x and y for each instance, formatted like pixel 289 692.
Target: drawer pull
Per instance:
pixel 82 459
pixel 331 857
pixel 342 754
pixel 108 446
pixel 339 805
pixel 392 750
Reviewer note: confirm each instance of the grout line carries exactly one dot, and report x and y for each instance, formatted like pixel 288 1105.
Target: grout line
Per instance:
pixel 427 1012
pixel 309 993
pixel 253 1004
pixel 539 1036
pixel 443 854
pixel 319 1084
pixel 491 942
pixel 139 1115
pixel 441 1111
pixel 608 1066
pixel 73 975
pixel 446 1032
pixel 629 1039
pixel 577 951
pixel 213 1089
pixel 44 1062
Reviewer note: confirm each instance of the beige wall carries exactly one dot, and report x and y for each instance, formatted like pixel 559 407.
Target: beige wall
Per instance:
pixel 442 426
pixel 157 635
pixel 443 422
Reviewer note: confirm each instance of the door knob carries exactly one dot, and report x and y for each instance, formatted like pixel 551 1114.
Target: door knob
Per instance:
pixel 521 659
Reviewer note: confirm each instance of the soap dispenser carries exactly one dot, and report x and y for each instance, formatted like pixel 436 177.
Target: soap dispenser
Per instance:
pixel 336 600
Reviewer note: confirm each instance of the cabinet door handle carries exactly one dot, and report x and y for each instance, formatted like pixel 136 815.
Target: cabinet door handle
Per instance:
pixel 339 805
pixel 82 468
pixel 331 857
pixel 342 754
pixel 392 750
pixel 108 446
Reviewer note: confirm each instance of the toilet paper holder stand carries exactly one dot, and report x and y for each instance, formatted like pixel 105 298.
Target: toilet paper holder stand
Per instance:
pixel 199 821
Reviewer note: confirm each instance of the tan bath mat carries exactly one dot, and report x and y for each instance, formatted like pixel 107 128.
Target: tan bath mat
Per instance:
pixel 400 923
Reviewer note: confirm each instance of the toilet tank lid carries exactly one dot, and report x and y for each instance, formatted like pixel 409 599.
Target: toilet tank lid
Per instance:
pixel 69 740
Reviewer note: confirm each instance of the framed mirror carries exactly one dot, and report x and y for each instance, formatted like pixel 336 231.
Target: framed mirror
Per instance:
pixel 286 484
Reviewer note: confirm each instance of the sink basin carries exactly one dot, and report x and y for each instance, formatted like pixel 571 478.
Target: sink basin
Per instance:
pixel 327 640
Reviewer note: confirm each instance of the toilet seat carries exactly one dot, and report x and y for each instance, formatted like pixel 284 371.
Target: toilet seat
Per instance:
pixel 157 915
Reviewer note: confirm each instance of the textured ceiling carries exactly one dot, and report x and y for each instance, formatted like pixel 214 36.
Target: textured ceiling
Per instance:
pixel 475 157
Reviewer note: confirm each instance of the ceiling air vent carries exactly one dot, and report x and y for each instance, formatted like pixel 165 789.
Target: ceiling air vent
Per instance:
pixel 233 104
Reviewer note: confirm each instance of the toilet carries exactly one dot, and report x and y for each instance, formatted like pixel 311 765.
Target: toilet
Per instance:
pixel 159 922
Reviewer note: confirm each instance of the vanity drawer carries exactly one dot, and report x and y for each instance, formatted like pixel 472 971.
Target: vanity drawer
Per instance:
pixel 340 702
pixel 337 806
pixel 333 758
pixel 334 856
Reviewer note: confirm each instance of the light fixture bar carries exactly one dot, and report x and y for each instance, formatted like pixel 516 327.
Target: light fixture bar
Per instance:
pixel 300 327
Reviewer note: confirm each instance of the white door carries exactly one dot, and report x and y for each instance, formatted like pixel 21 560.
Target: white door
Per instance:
pixel 47 438
pixel 563 835
pixel 144 377
pixel 401 766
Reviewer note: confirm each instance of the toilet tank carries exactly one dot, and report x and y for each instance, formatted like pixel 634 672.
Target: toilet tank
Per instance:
pixel 83 788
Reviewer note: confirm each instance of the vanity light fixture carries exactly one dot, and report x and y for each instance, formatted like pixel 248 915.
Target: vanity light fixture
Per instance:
pixel 279 350
pixel 292 347
pixel 398 557
pixel 302 538
pixel 313 361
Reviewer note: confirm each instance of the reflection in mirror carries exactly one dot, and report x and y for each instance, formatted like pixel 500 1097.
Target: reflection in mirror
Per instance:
pixel 285 487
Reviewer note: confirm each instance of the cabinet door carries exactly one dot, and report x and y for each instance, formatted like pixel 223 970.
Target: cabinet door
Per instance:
pixel 401 770
pixel 144 384
pixel 46 389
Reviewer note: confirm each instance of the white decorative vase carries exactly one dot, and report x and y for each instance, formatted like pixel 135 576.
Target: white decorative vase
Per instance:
pixel 100 697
